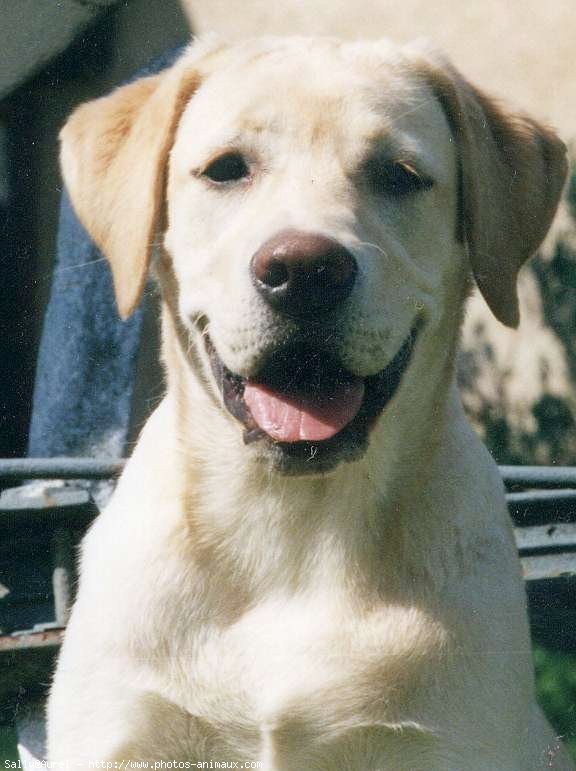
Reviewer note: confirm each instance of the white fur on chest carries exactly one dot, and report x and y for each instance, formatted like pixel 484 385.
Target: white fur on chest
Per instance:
pixel 293 644
pixel 279 655
pixel 307 660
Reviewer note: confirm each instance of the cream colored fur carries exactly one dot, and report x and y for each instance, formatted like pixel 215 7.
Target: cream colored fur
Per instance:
pixel 371 618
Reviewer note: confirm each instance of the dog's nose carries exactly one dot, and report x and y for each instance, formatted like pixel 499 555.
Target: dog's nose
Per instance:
pixel 303 274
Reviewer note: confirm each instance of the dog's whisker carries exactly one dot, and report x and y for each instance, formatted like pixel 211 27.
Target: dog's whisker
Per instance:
pixel 50 276
pixel 376 247
pixel 416 107
pixel 419 273
pixel 83 264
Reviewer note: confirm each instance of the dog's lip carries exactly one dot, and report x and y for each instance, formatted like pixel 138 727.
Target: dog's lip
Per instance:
pixel 376 390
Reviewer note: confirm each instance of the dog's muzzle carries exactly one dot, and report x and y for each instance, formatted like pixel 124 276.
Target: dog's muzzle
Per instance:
pixel 301 398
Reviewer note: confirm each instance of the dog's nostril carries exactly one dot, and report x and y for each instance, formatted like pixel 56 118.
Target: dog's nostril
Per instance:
pixel 303 274
pixel 274 274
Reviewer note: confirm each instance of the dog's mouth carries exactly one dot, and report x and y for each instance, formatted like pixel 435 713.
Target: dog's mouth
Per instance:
pixel 302 397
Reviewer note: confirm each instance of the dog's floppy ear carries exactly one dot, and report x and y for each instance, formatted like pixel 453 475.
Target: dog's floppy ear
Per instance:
pixel 114 157
pixel 512 171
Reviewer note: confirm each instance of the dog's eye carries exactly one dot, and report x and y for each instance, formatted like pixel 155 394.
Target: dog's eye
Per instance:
pixel 394 178
pixel 227 168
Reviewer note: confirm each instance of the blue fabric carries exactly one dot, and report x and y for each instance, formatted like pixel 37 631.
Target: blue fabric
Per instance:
pixel 86 364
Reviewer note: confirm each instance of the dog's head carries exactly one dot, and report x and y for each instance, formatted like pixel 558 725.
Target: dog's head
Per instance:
pixel 320 206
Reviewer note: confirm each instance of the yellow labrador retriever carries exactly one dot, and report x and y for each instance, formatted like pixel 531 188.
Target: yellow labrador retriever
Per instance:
pixel 308 562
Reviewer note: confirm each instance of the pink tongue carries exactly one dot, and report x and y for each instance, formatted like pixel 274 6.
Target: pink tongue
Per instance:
pixel 299 418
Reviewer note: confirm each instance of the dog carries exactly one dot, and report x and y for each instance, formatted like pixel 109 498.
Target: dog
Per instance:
pixel 308 561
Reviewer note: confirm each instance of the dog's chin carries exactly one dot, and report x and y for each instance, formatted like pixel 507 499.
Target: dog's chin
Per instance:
pixel 302 411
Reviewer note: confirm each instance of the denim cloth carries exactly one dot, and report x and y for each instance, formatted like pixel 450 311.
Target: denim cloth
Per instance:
pixel 86 364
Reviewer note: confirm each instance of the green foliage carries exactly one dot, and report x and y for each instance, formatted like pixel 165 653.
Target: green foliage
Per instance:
pixel 571 193
pixel 7 744
pixel 556 691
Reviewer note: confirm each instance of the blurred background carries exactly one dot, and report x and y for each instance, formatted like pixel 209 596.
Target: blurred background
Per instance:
pixel 518 387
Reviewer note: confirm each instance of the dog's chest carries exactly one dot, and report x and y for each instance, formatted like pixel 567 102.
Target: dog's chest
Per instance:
pixel 309 667
pixel 282 654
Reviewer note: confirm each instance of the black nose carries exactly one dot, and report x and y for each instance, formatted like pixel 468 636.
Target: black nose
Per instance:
pixel 303 274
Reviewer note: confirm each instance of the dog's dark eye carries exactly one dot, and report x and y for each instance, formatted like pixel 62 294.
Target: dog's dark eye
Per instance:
pixel 227 168
pixel 394 178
